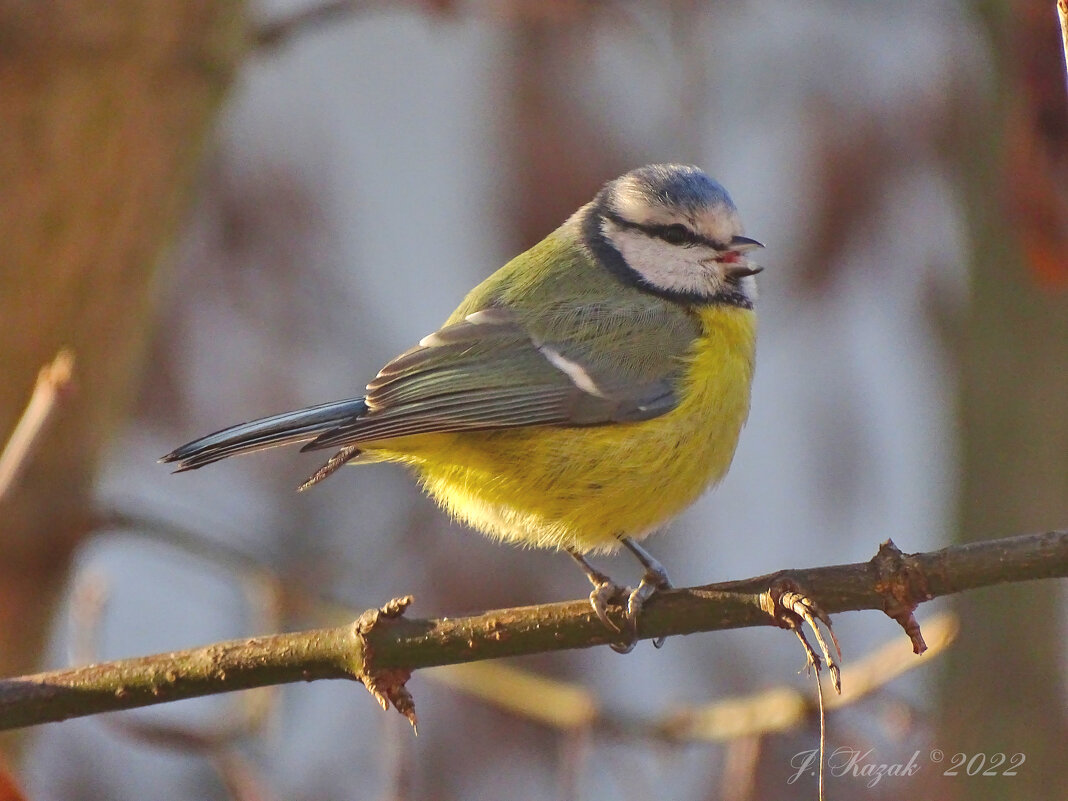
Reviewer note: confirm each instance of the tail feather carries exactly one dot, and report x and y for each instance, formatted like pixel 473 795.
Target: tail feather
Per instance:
pixel 267 432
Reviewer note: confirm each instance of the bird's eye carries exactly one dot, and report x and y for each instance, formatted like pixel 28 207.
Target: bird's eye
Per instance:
pixel 676 234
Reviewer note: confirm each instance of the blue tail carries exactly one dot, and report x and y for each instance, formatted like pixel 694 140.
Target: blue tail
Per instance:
pixel 267 432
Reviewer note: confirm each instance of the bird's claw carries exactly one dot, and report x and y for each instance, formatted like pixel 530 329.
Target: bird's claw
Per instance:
pixel 626 645
pixel 654 580
pixel 607 593
pixel 791 609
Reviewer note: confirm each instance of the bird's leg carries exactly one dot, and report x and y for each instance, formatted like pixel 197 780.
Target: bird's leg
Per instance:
pixel 654 579
pixel 605 592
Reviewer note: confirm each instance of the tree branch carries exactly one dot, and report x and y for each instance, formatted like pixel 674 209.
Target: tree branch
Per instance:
pixel 564 706
pixel 53 381
pixel 381 648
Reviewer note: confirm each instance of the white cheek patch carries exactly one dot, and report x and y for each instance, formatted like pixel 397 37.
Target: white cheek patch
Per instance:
pixel 663 265
pixel 748 286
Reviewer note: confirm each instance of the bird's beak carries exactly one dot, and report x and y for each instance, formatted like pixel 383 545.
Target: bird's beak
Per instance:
pixel 743 244
pixel 735 268
pixel 740 270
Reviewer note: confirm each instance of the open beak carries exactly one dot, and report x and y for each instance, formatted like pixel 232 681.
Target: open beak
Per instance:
pixel 743 244
pixel 740 270
pixel 735 268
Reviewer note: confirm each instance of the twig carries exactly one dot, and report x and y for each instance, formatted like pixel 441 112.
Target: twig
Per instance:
pixel 246 714
pixel 280 31
pixel 557 704
pixel 780 709
pixel 249 712
pixel 823 730
pixel 574 750
pixel 381 649
pixel 240 777
pixel 570 707
pixel 52 380
pixel 1062 13
pixel 740 762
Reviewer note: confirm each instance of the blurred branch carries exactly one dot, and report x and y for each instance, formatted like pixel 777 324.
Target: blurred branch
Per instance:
pixel 1010 158
pixel 245 715
pixel 9 788
pixel 556 704
pixel 280 31
pixel 1062 13
pixel 783 708
pixel 53 380
pixel 107 108
pixel 286 27
pixel 551 702
pixel 381 649
pixel 566 706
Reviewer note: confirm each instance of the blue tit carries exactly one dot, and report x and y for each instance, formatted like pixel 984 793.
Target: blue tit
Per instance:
pixel 580 397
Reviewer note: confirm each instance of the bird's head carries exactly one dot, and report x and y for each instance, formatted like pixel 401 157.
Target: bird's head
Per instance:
pixel 672 230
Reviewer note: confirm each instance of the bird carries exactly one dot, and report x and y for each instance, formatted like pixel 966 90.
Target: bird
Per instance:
pixel 579 398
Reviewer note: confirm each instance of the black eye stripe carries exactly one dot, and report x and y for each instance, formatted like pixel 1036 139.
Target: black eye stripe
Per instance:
pixel 675 234
pixel 605 254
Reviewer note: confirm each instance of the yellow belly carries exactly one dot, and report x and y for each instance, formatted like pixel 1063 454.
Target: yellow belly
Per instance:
pixel 555 487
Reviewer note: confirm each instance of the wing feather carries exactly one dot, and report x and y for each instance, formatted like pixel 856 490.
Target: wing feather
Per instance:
pixel 489 370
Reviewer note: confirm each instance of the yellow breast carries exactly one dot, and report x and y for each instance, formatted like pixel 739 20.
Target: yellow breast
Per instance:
pixel 583 487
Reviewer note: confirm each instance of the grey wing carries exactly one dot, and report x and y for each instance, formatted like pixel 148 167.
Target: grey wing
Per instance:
pixel 489 371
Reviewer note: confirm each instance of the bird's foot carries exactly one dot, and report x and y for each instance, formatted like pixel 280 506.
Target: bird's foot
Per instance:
pixel 792 609
pixel 607 593
pixel 654 579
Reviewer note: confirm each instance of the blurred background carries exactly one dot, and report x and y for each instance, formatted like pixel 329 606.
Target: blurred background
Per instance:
pixel 227 210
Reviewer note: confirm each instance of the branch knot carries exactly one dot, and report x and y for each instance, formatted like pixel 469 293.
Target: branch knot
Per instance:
pixel 386 685
pixel 901 581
